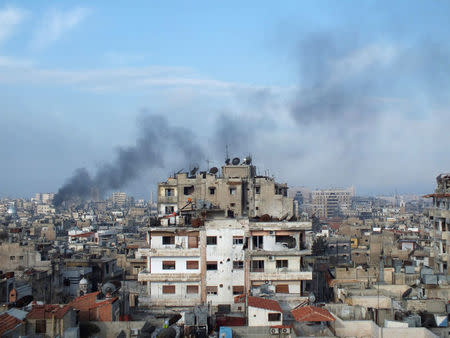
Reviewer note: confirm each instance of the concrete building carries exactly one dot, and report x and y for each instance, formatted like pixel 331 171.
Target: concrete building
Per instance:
pixel 330 203
pixel 226 257
pixel 119 199
pixel 237 191
pixel 439 215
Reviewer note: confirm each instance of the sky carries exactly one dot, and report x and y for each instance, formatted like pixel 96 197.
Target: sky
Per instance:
pixel 320 93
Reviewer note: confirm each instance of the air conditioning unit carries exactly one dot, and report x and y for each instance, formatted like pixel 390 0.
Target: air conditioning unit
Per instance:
pixel 274 330
pixel 285 330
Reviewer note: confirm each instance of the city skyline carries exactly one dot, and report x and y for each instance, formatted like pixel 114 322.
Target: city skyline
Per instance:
pixel 322 94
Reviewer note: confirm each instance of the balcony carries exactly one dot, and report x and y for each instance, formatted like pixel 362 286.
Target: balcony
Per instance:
pixel 146 276
pixel 167 199
pixel 280 275
pixel 173 251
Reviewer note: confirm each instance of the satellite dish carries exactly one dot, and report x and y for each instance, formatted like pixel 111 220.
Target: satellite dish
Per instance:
pixel 236 161
pixel 248 160
pixel 407 293
pixel 193 171
pixel 213 170
pixel 312 297
pixel 227 161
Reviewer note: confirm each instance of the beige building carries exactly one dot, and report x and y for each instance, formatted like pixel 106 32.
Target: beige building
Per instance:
pixel 329 203
pixel 236 192
pixel 439 215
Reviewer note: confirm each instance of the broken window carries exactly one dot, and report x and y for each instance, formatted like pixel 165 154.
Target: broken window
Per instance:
pixel 212 190
pixel 211 265
pixel 274 317
pixel 238 240
pixel 192 289
pixel 258 266
pixel 211 240
pixel 258 242
pixel 189 190
pixel 282 263
pixel 238 290
pixel 232 191
pixel 169 210
pixel 191 265
pixel 169 192
pixel 168 289
pixel 168 265
pixel 238 265
pixel 287 241
pixel 167 240
pixel 211 290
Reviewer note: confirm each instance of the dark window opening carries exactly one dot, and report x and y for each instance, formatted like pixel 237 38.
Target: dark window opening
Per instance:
pixel 238 240
pixel 230 213
pixel 169 210
pixel 238 265
pixel 283 263
pixel 257 189
pixel 211 240
pixel 211 290
pixel 41 326
pixel 168 265
pixel 232 191
pixel 169 192
pixel 274 317
pixel 258 266
pixel 211 265
pixel 287 241
pixel 167 240
pixel 212 191
pixel 258 242
pixel 189 190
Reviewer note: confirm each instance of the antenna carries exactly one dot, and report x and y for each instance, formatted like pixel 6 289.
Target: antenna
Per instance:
pixel 227 158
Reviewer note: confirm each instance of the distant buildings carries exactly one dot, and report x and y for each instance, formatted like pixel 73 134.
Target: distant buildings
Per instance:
pixel 331 203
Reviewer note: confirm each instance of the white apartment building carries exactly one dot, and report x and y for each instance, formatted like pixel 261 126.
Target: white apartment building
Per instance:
pixel 226 257
pixel 329 203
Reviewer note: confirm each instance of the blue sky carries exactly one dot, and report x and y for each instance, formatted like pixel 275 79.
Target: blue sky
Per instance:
pixel 322 93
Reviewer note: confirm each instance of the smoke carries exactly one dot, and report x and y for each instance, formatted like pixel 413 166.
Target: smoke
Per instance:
pixel 156 138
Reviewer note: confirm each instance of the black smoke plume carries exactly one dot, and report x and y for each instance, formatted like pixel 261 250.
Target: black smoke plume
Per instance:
pixel 156 137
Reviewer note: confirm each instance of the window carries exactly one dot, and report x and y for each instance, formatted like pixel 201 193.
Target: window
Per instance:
pixel 41 326
pixel 168 265
pixel 11 258
pixel 169 192
pixel 169 210
pixel 274 317
pixel 238 290
pixel 211 240
pixel 238 240
pixel 212 190
pixel 167 240
pixel 238 265
pixel 232 205
pixel 282 263
pixel 191 265
pixel 168 289
pixel 257 189
pixel 21 257
pixel 211 265
pixel 189 190
pixel 232 191
pixel 258 266
pixel 192 289
pixel 282 288
pixel 211 290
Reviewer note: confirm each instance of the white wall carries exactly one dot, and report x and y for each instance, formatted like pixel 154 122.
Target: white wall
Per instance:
pixel 180 264
pixel 259 317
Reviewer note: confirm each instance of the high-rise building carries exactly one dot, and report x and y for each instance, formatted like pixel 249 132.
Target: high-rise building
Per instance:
pixel 119 198
pixel 330 203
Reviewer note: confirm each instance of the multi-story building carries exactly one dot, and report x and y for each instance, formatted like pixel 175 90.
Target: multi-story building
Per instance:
pixel 330 203
pixel 119 198
pixel 236 192
pixel 439 215
pixel 189 266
